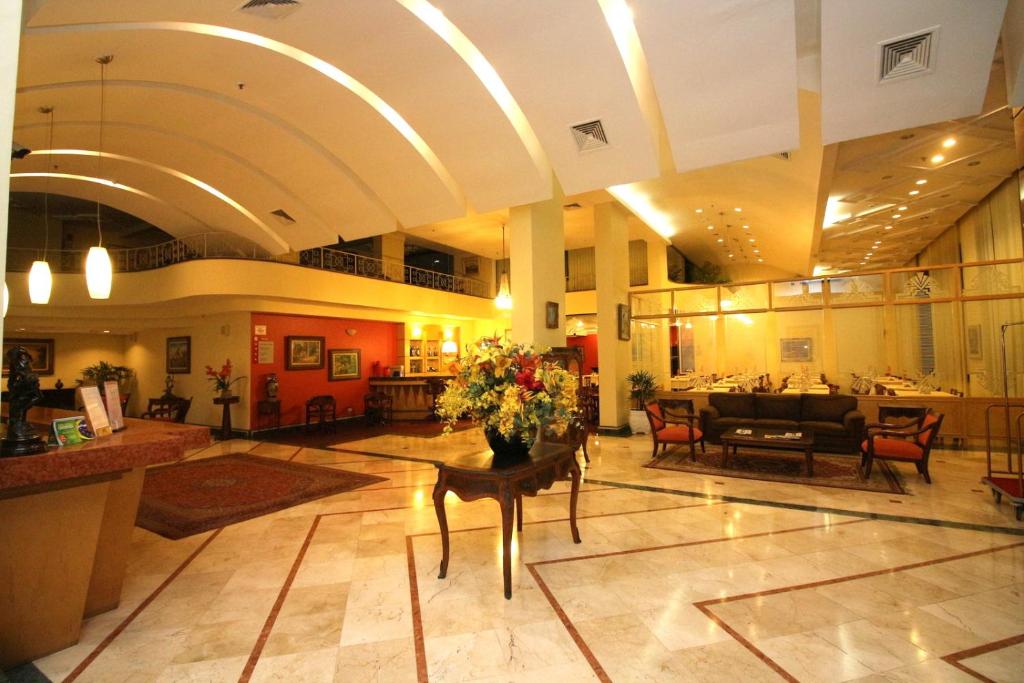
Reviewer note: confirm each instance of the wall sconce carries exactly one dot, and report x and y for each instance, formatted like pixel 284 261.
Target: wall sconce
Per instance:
pixel 417 332
pixel 449 347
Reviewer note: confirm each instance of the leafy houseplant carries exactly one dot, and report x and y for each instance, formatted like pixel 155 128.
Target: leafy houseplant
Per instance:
pixel 641 391
pixel 103 372
pixel 222 378
pixel 512 392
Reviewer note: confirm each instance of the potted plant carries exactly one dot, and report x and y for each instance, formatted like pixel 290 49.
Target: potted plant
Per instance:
pixel 512 392
pixel 222 378
pixel 641 391
pixel 103 372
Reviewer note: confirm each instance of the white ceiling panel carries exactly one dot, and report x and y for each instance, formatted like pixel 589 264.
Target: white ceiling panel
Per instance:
pixel 560 63
pixel 855 103
pixel 726 76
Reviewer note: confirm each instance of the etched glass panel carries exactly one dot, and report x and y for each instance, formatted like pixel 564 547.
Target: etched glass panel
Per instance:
pixel 857 289
pixel 744 297
pixel 1007 278
pixel 696 300
pixel 797 293
pixel 923 284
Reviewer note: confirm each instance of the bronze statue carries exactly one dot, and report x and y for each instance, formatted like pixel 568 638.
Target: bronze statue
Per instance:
pixel 23 388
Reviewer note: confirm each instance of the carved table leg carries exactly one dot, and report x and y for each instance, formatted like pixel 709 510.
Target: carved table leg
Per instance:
pixel 442 521
pixel 810 462
pixel 519 512
pixel 725 454
pixel 506 501
pixel 574 472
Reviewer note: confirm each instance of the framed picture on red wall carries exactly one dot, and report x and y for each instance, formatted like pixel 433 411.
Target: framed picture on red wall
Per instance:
pixel 304 353
pixel 343 364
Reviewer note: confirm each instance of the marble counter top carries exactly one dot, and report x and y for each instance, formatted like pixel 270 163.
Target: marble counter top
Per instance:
pixel 142 443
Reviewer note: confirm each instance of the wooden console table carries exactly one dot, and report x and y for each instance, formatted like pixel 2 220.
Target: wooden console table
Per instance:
pixel 477 476
pixel 225 424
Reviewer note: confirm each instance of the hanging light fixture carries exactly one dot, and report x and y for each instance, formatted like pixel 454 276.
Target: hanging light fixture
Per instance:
pixel 40 279
pixel 504 299
pixel 98 271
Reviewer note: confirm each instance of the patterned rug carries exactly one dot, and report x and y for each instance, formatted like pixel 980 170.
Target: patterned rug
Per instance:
pixel 836 471
pixel 190 497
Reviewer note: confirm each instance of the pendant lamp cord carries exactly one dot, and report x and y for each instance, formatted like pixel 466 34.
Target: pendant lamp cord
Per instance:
pixel 99 159
pixel 46 192
pixel 508 266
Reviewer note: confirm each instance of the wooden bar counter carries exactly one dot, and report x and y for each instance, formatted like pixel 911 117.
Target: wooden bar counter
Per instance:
pixel 410 397
pixel 66 521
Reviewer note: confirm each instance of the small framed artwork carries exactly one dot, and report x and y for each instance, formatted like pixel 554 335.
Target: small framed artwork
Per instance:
pixel 304 353
pixel 344 364
pixel 179 355
pixel 796 350
pixel 41 351
pixel 623 310
pixel 974 350
pixel 551 315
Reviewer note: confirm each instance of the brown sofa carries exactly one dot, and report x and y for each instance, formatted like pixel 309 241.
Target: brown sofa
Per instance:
pixel 837 425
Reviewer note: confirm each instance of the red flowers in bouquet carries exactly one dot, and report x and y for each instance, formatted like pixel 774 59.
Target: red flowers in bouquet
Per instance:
pixel 221 378
pixel 526 377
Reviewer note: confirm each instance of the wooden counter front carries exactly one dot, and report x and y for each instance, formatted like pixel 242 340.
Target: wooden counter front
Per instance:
pixel 66 521
pixel 409 395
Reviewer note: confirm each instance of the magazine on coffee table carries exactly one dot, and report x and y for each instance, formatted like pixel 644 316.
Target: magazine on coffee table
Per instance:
pixel 788 436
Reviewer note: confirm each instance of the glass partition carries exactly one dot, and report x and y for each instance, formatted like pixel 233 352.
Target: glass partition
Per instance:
pixel 859 335
pixel 927 343
pixel 696 300
pixel 797 293
pixel 798 344
pixel 857 289
pixel 982 320
pixel 698 344
pixel 745 351
pixel 935 283
pixel 744 297
pixel 1003 278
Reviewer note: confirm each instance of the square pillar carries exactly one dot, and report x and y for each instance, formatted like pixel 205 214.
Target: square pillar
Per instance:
pixel 611 261
pixel 10 36
pixel 537 273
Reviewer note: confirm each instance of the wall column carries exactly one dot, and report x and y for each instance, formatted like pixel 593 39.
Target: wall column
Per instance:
pixel 392 253
pixel 611 261
pixel 537 247
pixel 10 35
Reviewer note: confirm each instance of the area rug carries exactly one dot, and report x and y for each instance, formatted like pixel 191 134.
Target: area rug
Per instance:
pixel 835 471
pixel 190 497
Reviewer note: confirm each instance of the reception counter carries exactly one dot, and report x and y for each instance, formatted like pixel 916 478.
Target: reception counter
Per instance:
pixel 66 521
pixel 411 396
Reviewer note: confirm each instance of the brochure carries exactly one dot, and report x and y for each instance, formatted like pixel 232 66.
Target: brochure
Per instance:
pixel 71 430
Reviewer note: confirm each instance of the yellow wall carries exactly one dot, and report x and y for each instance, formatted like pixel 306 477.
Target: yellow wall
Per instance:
pixel 72 352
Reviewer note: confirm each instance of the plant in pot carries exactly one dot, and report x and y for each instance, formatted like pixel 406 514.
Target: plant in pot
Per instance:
pixel 641 391
pixel 221 379
pixel 512 392
pixel 102 372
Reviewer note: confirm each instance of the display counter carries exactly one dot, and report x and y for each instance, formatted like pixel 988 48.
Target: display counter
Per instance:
pixel 66 521
pixel 412 397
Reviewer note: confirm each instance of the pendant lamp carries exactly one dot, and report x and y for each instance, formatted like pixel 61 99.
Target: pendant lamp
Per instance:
pixel 40 279
pixel 504 299
pixel 98 269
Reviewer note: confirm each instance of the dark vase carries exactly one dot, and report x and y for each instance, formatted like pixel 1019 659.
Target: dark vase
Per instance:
pixel 506 450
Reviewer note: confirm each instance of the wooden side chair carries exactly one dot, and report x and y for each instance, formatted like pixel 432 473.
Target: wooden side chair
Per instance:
pixel 322 411
pixel 901 443
pixel 674 426
pixel 378 408
pixel 167 409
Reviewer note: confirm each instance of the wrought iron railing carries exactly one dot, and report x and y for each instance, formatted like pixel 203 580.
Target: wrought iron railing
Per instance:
pixel 218 245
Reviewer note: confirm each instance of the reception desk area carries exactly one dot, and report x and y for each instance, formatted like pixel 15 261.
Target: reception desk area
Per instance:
pixel 412 397
pixel 66 521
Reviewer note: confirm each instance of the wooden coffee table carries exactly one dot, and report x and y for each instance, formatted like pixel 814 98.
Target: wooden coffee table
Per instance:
pixel 763 438
pixel 476 476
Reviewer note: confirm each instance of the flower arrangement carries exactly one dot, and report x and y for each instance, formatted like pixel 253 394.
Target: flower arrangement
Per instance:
pixel 222 378
pixel 509 389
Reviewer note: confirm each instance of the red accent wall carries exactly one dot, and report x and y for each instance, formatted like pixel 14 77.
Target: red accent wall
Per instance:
pixel 589 344
pixel 377 341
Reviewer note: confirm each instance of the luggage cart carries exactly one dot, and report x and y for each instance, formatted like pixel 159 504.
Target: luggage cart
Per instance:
pixel 1008 482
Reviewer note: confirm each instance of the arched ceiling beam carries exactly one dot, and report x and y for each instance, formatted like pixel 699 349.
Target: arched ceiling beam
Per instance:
pixel 321 66
pixel 300 136
pixel 196 182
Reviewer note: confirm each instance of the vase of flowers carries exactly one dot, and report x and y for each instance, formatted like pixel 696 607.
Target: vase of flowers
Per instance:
pixel 221 379
pixel 512 392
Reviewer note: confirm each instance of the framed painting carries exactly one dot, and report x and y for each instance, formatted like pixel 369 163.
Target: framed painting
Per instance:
pixel 304 353
pixel 624 332
pixel 344 364
pixel 179 355
pixel 41 351
pixel 551 315
pixel 796 350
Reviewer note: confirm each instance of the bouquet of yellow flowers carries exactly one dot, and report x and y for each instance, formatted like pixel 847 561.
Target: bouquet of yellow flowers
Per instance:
pixel 510 390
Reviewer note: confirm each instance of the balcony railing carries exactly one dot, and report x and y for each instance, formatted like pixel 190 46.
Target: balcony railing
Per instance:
pixel 225 246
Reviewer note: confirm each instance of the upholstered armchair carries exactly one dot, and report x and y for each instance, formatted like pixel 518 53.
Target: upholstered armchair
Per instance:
pixel 902 443
pixel 675 424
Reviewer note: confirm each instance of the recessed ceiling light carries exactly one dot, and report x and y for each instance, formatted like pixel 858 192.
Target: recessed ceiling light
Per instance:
pixel 757 251
pixel 720 240
pixel 700 210
pixel 730 255
pixel 901 208
pixel 746 227
pixel 938 159
pixel 922 181
pixel 863 262
pixel 737 209
pixel 897 215
pixel 711 227
pixel 949 142
pixel 914 193
pixel 752 239
pixel 888 227
pixel 106 331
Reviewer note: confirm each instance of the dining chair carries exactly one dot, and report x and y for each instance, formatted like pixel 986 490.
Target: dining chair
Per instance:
pixel 671 426
pixel 901 443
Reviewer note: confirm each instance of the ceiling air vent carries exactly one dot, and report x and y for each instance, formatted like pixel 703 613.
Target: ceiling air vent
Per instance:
pixel 907 56
pixel 589 136
pixel 282 216
pixel 271 9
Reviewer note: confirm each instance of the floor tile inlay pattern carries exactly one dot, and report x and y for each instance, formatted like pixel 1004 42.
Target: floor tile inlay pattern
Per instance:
pixel 676 580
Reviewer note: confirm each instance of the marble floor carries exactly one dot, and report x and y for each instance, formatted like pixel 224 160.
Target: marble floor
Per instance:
pixel 679 577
